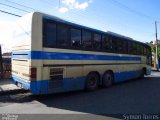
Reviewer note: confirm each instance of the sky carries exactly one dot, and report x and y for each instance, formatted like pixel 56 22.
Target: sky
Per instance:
pixel 132 18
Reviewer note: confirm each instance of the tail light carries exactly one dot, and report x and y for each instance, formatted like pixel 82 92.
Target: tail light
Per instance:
pixel 33 73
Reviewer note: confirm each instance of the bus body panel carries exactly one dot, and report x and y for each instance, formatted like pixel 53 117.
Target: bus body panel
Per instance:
pixel 74 77
pixel 20 54
pixel 63 70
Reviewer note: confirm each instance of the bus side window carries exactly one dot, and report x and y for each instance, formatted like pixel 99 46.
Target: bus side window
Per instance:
pixel 49 34
pixel 75 38
pixel 134 48
pixel 138 49
pixel 97 43
pixel 114 45
pixel 145 50
pixel 107 43
pixel 86 40
pixel 120 46
pixel 62 36
pixel 129 47
pixel 142 50
pixel 125 46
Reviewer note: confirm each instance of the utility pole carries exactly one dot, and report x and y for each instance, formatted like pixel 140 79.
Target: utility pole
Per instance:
pixel 157 65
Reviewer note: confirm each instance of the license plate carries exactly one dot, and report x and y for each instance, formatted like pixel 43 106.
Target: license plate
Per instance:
pixel 19 85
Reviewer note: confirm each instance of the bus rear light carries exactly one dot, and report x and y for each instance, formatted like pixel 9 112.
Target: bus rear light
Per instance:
pixel 33 73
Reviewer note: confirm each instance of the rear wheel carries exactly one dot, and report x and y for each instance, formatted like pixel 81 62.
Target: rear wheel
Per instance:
pixel 92 81
pixel 107 79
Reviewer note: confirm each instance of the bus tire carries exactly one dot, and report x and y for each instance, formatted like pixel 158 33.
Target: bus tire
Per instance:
pixel 92 81
pixel 107 79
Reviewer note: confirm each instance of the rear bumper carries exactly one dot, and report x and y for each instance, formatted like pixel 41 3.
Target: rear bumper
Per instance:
pixel 25 84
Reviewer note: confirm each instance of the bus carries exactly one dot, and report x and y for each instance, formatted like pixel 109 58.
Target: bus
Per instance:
pixel 52 55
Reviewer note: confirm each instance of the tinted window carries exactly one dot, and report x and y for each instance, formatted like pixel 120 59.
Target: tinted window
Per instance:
pixel 107 43
pixel 114 44
pixel 125 46
pixel 49 34
pixel 62 36
pixel 129 47
pixel 86 39
pixel 138 49
pixel 97 41
pixel 120 45
pixel 75 38
pixel 141 49
pixel 145 51
pixel 134 48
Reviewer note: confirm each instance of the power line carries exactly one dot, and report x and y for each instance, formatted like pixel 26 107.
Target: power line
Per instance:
pixel 21 5
pixel 14 7
pixel 10 13
pixel 114 1
pixel 132 10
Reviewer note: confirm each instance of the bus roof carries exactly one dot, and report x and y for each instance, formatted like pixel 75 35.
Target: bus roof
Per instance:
pixel 57 19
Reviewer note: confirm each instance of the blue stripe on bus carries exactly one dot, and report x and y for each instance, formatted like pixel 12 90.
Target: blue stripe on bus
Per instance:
pixel 42 86
pixel 123 76
pixel 69 84
pixel 38 55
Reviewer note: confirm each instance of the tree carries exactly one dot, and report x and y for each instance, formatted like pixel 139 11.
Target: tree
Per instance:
pixel 153 48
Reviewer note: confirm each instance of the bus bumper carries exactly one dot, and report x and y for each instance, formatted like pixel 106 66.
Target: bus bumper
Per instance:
pixel 34 86
pixel 24 84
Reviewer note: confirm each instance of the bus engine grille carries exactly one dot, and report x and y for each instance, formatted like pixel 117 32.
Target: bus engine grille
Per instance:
pixel 56 78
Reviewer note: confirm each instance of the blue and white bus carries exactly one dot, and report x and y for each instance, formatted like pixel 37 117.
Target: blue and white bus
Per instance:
pixel 53 55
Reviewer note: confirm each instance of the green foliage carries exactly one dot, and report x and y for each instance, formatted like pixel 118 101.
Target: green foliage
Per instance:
pixel 158 51
pixel 153 49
